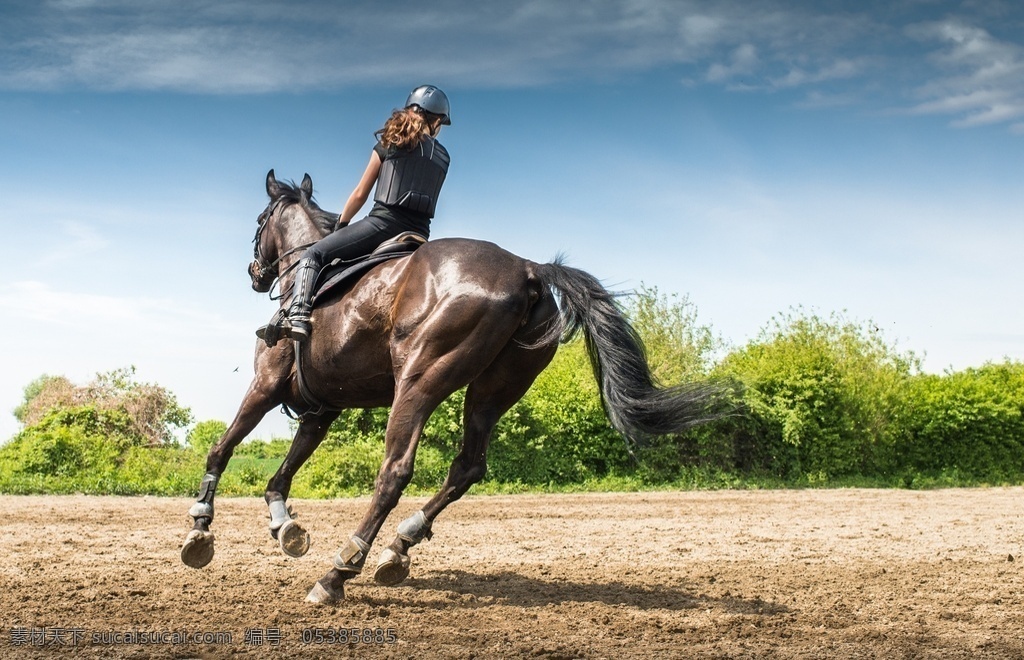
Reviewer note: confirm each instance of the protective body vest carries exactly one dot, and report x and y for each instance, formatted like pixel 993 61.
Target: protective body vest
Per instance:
pixel 412 179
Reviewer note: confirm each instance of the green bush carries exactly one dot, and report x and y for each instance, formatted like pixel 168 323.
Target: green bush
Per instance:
pixel 822 398
pixel 275 448
pixel 158 471
pixel 68 442
pixel 151 410
pixel 349 467
pixel 92 450
pixel 970 422
pixel 204 434
pixel 558 433
pixel 341 468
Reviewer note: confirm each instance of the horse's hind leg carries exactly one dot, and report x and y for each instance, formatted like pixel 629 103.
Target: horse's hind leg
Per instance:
pixel 467 468
pixel 417 395
pixel 488 397
pixel 408 416
pixel 438 361
pixel 291 536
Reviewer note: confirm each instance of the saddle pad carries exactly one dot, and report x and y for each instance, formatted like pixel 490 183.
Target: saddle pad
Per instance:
pixel 337 276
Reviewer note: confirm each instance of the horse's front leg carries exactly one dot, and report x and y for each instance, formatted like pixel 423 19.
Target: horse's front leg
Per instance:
pixel 291 536
pixel 261 397
pixel 197 550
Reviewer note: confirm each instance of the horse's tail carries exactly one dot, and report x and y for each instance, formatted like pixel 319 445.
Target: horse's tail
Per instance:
pixel 635 404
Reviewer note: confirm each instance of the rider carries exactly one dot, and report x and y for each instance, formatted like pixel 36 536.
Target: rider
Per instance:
pixel 408 166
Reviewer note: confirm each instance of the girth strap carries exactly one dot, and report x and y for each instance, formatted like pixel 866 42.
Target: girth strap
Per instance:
pixel 315 405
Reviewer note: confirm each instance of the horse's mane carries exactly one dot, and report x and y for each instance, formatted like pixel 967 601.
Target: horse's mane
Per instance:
pixel 290 193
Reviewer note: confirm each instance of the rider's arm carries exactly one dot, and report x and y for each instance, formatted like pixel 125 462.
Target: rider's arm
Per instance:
pixel 362 191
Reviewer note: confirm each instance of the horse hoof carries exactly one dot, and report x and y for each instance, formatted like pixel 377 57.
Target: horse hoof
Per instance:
pixel 392 568
pixel 197 550
pixel 293 539
pixel 320 595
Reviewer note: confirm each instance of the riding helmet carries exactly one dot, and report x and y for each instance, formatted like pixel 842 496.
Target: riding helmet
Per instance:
pixel 432 100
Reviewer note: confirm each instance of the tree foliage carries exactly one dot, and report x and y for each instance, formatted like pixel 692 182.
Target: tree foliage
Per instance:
pixel 113 435
pixel 151 410
pixel 204 434
pixel 679 347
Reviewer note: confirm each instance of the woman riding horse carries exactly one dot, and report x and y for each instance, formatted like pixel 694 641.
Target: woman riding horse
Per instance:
pixel 408 166
pixel 456 313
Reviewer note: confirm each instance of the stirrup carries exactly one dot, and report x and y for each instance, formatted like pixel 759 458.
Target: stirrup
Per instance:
pixel 298 329
pixel 272 332
pixel 282 326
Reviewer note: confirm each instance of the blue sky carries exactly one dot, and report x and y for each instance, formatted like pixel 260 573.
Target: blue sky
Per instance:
pixel 754 156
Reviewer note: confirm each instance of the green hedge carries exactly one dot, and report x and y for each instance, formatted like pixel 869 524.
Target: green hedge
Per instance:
pixel 970 423
pixel 821 398
pixel 818 401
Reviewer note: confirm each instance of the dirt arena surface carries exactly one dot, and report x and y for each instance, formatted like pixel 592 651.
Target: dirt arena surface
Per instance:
pixel 775 574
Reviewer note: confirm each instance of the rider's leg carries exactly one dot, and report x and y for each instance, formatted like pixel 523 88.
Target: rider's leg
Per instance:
pixel 297 326
pixel 295 322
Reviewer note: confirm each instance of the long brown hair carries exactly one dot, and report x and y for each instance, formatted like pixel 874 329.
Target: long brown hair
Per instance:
pixel 405 129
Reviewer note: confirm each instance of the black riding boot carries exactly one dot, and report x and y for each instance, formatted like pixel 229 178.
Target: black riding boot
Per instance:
pixel 298 326
pixel 295 324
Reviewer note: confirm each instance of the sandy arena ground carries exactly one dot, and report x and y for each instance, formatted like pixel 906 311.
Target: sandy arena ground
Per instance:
pixel 778 574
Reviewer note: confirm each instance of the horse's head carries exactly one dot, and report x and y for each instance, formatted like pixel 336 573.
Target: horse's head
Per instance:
pixel 276 238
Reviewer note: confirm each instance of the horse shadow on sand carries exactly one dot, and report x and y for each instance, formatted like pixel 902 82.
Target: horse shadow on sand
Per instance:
pixel 509 588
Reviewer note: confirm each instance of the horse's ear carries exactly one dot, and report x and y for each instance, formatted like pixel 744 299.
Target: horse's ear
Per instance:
pixel 307 184
pixel 273 188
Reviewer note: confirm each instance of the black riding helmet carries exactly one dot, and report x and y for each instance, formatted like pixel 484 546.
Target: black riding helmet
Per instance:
pixel 432 100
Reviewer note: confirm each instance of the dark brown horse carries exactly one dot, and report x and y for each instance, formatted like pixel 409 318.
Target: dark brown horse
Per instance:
pixel 412 331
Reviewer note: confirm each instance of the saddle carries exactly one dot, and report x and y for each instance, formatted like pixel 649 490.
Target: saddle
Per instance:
pixel 339 273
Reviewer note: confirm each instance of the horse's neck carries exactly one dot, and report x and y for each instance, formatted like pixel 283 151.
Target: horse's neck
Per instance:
pixel 300 233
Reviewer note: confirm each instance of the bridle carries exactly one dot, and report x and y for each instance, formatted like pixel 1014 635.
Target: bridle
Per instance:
pixel 264 276
pixel 264 273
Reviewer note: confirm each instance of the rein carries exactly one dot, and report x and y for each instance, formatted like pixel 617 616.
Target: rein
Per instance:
pixel 277 278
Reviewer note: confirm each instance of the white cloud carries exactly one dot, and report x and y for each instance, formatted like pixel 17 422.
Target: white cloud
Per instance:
pixel 798 77
pixel 261 46
pixel 107 318
pixel 744 60
pixel 702 30
pixel 982 78
pixel 816 100
pixel 74 241
pixel 994 113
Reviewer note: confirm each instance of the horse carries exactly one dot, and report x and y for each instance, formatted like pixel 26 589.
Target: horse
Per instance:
pixel 454 313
